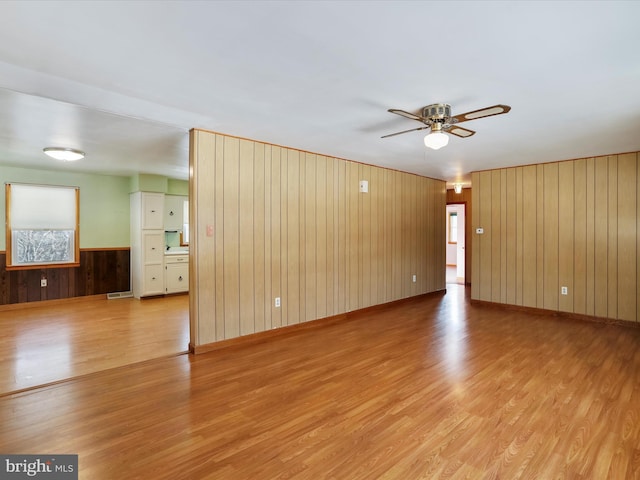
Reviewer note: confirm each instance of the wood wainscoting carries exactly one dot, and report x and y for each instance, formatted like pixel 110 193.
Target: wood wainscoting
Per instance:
pixel 101 270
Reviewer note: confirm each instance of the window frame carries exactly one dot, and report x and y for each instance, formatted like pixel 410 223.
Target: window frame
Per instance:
pixel 451 240
pixel 9 231
pixel 185 233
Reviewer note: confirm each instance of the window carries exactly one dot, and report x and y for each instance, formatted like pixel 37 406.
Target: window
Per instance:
pixel 453 227
pixel 184 236
pixel 42 226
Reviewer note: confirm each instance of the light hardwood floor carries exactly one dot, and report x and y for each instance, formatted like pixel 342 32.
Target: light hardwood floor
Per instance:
pixel 432 388
pixel 49 343
pixel 452 276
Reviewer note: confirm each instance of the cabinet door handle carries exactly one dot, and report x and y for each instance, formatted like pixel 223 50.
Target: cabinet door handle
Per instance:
pixel 153 278
pixel 180 278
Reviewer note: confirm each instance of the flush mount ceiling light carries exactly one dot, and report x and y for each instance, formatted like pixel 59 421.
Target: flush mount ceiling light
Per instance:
pixel 64 154
pixel 457 187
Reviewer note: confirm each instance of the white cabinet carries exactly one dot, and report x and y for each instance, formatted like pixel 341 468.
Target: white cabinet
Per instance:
pixel 176 277
pixel 173 212
pixel 147 243
pixel 152 211
pixel 152 247
pixel 152 280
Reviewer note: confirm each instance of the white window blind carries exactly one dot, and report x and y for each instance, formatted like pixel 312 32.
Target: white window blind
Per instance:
pixel 35 207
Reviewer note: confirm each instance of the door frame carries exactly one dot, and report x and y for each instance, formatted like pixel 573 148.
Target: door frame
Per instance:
pixel 467 240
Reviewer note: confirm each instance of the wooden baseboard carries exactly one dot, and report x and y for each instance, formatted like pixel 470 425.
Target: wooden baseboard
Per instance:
pixel 266 335
pixel 555 313
pixel 385 306
pixel 46 303
pixel 260 337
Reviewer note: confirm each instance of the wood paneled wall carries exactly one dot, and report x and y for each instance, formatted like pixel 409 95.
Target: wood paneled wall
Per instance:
pixel 100 271
pixel 571 223
pixel 466 198
pixel 270 221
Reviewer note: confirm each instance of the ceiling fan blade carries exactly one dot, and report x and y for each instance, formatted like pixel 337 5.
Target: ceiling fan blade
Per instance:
pixel 404 131
pixel 483 112
pixel 402 113
pixel 459 131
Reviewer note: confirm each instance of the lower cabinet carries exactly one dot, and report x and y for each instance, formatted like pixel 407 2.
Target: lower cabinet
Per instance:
pixel 176 278
pixel 152 257
pixel 152 280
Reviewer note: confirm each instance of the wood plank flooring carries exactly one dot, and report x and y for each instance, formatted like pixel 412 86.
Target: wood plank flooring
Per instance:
pixel 434 388
pixel 49 343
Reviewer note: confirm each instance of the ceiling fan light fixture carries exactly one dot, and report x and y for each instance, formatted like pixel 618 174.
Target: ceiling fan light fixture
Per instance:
pixel 436 140
pixel 64 154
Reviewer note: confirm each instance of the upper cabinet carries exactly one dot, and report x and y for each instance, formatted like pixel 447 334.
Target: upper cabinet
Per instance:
pixel 152 208
pixel 173 212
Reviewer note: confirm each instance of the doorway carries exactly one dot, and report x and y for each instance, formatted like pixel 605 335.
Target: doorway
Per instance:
pixel 455 243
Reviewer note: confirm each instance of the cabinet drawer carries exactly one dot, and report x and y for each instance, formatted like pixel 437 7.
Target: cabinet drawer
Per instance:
pixel 176 259
pixel 153 280
pixel 152 247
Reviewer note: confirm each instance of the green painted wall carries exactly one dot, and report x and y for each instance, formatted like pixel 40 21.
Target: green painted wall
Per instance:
pixel 144 182
pixel 177 187
pixel 104 204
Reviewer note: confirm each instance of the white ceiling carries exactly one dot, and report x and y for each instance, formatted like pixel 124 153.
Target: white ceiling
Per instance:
pixel 125 81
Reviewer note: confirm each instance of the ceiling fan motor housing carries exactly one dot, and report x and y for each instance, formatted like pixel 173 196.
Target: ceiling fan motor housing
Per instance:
pixel 437 112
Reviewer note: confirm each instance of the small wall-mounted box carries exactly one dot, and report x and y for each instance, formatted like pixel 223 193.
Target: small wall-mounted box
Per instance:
pixel 479 231
pixel 364 186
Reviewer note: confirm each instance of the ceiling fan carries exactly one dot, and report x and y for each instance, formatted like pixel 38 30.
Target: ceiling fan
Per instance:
pixel 437 117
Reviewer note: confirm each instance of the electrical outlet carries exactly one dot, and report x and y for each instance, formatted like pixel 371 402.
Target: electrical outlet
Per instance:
pixel 43 282
pixel 564 291
pixel 277 302
pixel 414 279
